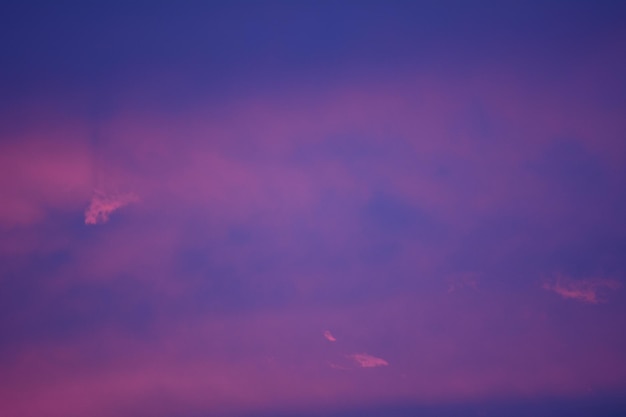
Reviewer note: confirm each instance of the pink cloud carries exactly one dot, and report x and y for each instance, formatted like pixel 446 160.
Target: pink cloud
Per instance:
pixel 367 361
pixel 585 290
pixel 103 204
pixel 329 336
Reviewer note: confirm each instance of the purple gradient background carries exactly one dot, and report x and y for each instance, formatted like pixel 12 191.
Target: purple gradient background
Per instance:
pixel 440 185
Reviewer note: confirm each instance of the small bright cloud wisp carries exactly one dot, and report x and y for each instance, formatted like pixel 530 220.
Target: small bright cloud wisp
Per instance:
pixel 329 336
pixel 367 361
pixel 102 205
pixel 590 290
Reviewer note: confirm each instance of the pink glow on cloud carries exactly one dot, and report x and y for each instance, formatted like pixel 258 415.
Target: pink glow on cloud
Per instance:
pixel 365 360
pixel 223 365
pixel 590 290
pixel 103 204
pixel 249 225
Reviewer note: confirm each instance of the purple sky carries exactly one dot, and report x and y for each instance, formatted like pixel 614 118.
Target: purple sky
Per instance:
pixel 348 208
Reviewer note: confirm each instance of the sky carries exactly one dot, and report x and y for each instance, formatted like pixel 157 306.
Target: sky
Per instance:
pixel 312 208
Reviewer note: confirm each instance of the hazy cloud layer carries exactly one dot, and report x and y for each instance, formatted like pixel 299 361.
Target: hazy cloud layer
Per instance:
pixel 296 194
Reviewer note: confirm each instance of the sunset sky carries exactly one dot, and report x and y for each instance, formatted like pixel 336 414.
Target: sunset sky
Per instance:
pixel 312 208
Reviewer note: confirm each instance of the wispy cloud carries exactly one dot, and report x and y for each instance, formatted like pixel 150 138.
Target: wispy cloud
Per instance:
pixel 367 361
pixel 585 290
pixel 102 205
pixel 329 336
pixel 463 281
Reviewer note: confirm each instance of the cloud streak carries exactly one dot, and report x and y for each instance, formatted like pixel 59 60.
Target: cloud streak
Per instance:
pixel 591 290
pixel 103 204
pixel 329 336
pixel 365 360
